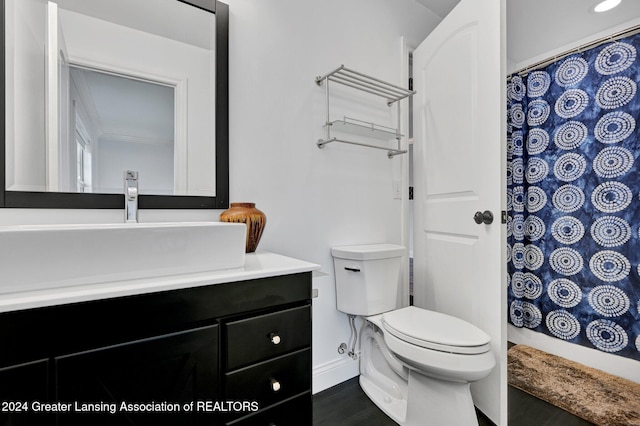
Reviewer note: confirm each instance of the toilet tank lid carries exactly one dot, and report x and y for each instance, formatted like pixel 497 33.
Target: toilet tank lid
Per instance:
pixel 368 251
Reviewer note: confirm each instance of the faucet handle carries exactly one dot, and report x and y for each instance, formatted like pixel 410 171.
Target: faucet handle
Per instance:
pixel 132 192
pixel 131 184
pixel 130 175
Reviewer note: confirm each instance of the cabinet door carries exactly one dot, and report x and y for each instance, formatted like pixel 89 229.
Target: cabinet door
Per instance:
pixel 173 370
pixel 21 385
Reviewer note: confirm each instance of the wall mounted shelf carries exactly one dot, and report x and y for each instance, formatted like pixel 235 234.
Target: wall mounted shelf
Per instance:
pixel 365 128
pixel 390 92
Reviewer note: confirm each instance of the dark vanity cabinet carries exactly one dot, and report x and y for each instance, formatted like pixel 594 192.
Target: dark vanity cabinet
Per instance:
pixel 268 360
pixel 236 353
pixel 174 369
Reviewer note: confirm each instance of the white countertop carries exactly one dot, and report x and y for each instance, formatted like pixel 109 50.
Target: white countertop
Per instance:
pixel 257 265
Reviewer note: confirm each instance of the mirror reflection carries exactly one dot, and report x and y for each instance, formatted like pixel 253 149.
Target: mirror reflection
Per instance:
pixel 97 87
pixel 118 123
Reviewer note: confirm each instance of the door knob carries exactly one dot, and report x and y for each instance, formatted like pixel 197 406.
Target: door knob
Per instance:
pixel 483 217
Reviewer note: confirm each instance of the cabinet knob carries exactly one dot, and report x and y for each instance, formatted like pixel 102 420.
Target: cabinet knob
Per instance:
pixel 275 338
pixel 275 385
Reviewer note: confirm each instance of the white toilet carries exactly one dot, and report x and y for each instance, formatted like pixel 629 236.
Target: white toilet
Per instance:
pixel 415 364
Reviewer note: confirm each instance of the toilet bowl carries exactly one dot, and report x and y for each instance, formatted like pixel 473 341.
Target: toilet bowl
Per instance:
pixel 416 365
pixel 438 345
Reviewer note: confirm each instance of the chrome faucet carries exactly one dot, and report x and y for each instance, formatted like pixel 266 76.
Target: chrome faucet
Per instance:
pixel 130 196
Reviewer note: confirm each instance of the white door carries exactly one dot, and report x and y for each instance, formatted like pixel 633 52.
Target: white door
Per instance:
pixel 459 163
pixel 25 33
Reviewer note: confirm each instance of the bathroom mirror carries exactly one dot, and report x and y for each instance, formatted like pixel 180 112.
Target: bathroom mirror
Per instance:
pixel 96 87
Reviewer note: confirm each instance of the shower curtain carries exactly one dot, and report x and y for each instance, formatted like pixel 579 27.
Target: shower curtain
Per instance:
pixel 573 178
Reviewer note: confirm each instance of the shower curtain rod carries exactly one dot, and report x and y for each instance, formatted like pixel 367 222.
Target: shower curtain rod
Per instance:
pixel 613 37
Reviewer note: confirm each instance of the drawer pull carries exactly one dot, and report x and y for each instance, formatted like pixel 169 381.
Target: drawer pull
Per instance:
pixel 275 385
pixel 275 338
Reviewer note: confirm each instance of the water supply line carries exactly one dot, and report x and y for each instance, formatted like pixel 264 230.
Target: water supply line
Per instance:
pixel 353 338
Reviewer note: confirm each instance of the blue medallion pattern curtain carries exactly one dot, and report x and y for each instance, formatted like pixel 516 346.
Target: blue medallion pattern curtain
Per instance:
pixel 573 178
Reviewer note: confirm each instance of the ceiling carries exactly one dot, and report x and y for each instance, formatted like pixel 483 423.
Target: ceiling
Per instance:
pixel 537 27
pixel 439 7
pixel 167 18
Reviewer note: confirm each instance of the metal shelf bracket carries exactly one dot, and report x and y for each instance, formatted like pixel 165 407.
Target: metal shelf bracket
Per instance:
pixel 390 92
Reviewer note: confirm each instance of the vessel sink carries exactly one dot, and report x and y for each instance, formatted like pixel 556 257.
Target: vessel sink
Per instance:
pixel 35 257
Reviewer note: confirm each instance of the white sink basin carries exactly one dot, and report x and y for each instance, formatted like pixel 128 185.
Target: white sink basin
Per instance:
pixel 34 257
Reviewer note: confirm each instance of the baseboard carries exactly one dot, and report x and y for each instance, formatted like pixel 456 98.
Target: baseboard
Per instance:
pixel 610 363
pixel 334 372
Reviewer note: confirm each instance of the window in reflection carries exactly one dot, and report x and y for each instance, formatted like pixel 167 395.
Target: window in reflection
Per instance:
pixel 83 157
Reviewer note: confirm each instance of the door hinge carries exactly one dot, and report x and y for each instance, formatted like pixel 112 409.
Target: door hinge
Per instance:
pixel 411 192
pixel 410 83
pixel 504 216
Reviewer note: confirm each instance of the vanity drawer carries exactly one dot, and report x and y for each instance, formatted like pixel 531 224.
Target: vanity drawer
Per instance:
pixel 292 412
pixel 258 338
pixel 271 381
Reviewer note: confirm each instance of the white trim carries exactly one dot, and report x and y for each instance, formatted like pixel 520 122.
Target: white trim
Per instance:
pixel 143 140
pixel 334 372
pixel 97 65
pixel 52 98
pixel 405 217
pixel 612 364
pixel 181 137
pixel 88 107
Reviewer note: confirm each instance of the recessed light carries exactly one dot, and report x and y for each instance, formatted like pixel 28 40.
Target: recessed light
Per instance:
pixel 606 5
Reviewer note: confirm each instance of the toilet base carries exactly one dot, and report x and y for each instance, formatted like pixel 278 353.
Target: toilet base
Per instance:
pixel 431 402
pixel 392 406
pixel 439 403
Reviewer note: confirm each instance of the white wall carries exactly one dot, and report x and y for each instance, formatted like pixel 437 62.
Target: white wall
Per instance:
pixel 153 162
pixel 564 46
pixel 315 199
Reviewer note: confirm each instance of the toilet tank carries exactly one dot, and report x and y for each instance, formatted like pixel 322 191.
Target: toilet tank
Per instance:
pixel 367 277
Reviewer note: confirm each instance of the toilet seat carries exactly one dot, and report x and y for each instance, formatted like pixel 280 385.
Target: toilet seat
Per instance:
pixel 437 331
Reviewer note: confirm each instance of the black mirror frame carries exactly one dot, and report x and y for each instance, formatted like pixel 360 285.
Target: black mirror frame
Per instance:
pixel 67 200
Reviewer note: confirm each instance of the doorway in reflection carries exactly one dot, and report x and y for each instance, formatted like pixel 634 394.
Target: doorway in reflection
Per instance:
pixel 117 123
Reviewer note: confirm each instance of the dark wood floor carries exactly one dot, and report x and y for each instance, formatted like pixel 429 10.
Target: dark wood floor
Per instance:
pixel 347 405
